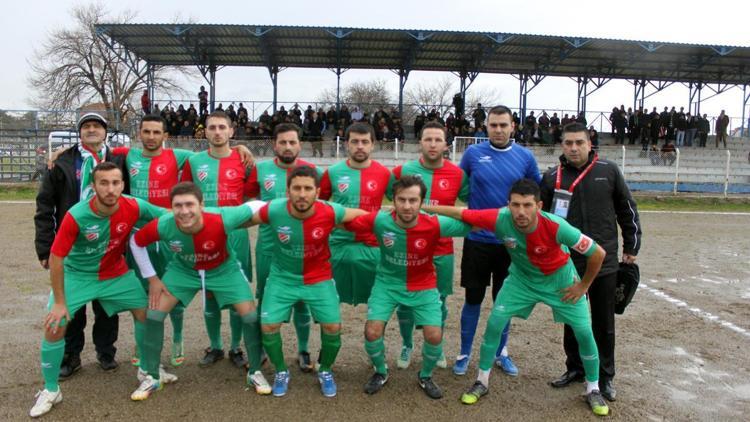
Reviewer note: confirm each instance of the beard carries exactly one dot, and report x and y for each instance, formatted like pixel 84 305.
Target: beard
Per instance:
pixel 286 159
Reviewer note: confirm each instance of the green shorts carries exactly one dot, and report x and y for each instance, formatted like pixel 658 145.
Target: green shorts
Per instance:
pixel 239 242
pixel 425 304
pixel 279 297
pixel 354 270
pixel 227 283
pixel 444 271
pixel 117 294
pixel 518 296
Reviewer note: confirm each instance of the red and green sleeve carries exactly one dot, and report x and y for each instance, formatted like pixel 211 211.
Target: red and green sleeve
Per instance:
pixel 484 219
pixel 65 237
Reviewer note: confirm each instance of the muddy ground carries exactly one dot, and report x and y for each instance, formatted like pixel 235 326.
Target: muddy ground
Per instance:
pixel 681 355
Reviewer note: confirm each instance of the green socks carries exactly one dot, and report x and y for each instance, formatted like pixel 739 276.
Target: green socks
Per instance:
pixel 153 341
pixel 444 309
pixel 495 326
pixel 330 345
pixel 212 317
pixel 430 355
pixel 253 342
pixel 51 358
pixel 272 344
pixel 139 329
pixel 588 351
pixel 301 321
pixel 376 351
pixel 177 316
pixel 235 326
pixel 406 324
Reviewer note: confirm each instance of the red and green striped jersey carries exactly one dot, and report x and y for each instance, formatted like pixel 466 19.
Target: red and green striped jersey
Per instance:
pixel 406 255
pixel 93 245
pixel 223 181
pixel 356 188
pixel 204 250
pixel 444 186
pixel 153 177
pixel 267 181
pixel 540 253
pixel 300 247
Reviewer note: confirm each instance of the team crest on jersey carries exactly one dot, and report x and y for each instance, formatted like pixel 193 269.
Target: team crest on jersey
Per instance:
pixel 510 242
pixel 135 168
pixel 269 182
pixel 161 169
pixel 121 228
pixel 317 233
pixel 175 246
pixel 284 233
pixel 420 244
pixel 444 184
pixel 541 250
pixel 389 239
pixel 230 174
pixel 202 172
pixel 372 185
pixel 584 243
pixel 343 183
pixel 208 245
pixel 91 233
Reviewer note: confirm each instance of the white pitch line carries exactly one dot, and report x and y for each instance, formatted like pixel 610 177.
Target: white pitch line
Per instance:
pixel 693 212
pixel 697 311
pixel 17 202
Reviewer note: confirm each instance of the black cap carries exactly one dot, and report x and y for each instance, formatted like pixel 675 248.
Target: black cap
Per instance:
pixel 91 116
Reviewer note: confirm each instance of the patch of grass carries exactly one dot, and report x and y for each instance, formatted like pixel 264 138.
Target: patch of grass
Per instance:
pixel 18 191
pixel 712 204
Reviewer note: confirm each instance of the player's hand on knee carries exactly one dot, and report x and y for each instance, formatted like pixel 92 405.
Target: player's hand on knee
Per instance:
pixel 44 263
pixel 573 293
pixel 56 315
pixel 156 289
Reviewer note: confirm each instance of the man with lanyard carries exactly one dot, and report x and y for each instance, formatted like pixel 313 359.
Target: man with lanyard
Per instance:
pixel 267 181
pixel 200 239
pixel 87 263
pixel 591 194
pixel 301 272
pixel 445 183
pixel 541 271
pixel 492 168
pixel 406 276
pixel 359 182
pixel 222 177
pixel 67 183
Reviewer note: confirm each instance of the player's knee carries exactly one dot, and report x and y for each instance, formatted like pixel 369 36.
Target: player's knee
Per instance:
pixel 432 335
pixel 330 328
pixel 139 314
pixel 156 316
pixel 373 331
pixel 53 336
pixel 270 328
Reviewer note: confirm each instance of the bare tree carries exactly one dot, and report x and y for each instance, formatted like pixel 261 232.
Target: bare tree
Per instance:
pixel 76 67
pixel 367 95
pixel 438 95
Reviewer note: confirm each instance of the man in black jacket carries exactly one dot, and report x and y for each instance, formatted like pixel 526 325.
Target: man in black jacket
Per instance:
pixel 591 194
pixel 62 187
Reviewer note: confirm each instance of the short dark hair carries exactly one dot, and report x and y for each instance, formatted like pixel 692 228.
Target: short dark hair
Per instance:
pixel 500 110
pixel 186 188
pixel 153 118
pixel 218 114
pixel 104 166
pixel 283 128
pixel 433 125
pixel 361 128
pixel 303 171
pixel 408 181
pixel 575 127
pixel 526 187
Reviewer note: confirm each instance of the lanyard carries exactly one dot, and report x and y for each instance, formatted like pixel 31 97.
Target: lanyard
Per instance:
pixel 580 177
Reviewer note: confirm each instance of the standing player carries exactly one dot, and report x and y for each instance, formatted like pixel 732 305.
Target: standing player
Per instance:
pixel 223 179
pixel 445 183
pixel 203 260
pixel 359 182
pixel 492 168
pixel 267 182
pixel 301 272
pixel 406 276
pixel 541 271
pixel 86 263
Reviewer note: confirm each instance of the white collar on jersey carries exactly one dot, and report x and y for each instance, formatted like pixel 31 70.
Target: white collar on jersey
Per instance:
pixel 507 147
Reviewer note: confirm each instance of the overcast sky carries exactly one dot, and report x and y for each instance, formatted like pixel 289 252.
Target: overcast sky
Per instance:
pixel 24 25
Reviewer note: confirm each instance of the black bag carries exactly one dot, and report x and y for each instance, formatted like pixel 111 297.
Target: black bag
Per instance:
pixel 628 277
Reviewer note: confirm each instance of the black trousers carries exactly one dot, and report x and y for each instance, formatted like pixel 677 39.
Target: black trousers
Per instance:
pixel 105 331
pixel 602 300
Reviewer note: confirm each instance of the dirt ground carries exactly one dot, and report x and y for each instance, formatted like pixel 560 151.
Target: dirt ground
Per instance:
pixel 681 355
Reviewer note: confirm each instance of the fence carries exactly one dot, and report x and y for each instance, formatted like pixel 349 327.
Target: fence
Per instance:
pixel 688 170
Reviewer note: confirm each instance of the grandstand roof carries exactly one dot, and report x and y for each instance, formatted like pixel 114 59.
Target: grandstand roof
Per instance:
pixel 362 48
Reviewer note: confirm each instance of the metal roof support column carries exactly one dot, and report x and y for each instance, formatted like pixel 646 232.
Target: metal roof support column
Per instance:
pixel 583 83
pixel 403 75
pixel 694 104
pixel 273 71
pixel 639 89
pixel 211 87
pixel 745 118
pixel 523 80
pixel 150 85
pixel 338 90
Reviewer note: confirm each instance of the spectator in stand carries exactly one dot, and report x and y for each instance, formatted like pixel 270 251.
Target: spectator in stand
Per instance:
pixel 581 118
pixel 565 120
pixel 594 137
pixel 655 127
pixel 479 115
pixel 231 113
pixel 556 127
pixel 241 109
pixel 544 121
pixel 331 117
pixel 356 115
pixel 668 153
pixel 680 126
pixel 692 129
pixel 346 116
pixel 529 127
pixel 221 107
pixel 316 134
pixel 382 131
pixel 654 155
pixel 480 132
pixel 450 122
pixel 612 118
pixel 265 118
pixel 703 128
pixel 397 132
pixel 203 100
pixel 620 122
pixel 722 123
pixel 145 102
pixel 458 104
pixel 632 126
pixel 186 131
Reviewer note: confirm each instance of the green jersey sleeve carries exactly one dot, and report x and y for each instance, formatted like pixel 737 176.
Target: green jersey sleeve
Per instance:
pixel 148 211
pixel 450 227
pixel 573 238
pixel 463 194
pixel 182 156
pixel 234 217
pixel 389 189
pixel 338 211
